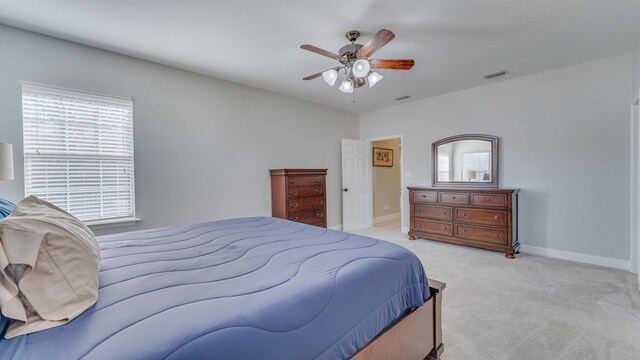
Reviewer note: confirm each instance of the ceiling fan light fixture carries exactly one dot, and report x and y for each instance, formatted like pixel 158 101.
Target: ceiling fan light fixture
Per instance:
pixel 346 87
pixel 373 78
pixel 361 68
pixel 330 77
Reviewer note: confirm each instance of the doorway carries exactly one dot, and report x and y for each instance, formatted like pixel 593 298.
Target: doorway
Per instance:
pixel 358 186
pixel 387 187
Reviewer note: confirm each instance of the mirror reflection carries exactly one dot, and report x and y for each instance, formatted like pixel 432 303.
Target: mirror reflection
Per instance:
pixel 464 160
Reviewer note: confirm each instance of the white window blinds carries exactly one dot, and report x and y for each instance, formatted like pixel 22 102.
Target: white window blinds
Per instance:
pixel 78 151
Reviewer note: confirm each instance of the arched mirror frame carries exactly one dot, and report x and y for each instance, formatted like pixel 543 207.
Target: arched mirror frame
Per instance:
pixel 467 184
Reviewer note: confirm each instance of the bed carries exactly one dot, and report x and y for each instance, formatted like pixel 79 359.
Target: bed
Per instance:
pixel 249 288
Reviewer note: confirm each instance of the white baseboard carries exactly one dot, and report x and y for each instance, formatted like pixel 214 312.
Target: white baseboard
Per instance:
pixel 336 227
pixel 405 229
pixel 386 217
pixel 577 257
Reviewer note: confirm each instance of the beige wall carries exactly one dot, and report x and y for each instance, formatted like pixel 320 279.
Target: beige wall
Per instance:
pixel 564 140
pixel 203 146
pixel 386 182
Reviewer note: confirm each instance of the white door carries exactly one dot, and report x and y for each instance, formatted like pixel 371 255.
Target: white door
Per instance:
pixel 356 185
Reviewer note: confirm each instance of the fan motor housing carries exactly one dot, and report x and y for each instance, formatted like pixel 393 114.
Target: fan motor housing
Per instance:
pixel 348 52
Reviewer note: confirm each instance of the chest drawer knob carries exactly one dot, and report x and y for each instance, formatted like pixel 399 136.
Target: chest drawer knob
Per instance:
pixel 319 202
pixel 444 212
pixel 293 205
pixel 496 217
pixel 318 191
pixel 495 234
pixel 424 196
pixel 419 210
pixel 319 214
pixel 445 227
pixel 293 192
pixel 318 181
pixel 464 214
pixel 292 181
pixel 293 218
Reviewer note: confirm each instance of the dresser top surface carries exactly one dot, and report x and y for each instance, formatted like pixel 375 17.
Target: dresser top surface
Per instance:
pixel 298 172
pixel 459 189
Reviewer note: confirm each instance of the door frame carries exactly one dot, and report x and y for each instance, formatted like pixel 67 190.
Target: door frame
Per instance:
pixel 634 225
pixel 403 194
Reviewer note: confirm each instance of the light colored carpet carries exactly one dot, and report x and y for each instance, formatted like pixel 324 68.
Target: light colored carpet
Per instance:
pixel 532 307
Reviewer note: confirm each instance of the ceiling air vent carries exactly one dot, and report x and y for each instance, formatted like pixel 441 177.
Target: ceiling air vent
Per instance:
pixel 495 74
pixel 403 97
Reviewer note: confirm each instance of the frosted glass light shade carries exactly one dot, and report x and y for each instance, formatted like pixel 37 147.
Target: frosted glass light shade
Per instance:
pixel 346 86
pixel 330 77
pixel 373 78
pixel 6 161
pixel 361 68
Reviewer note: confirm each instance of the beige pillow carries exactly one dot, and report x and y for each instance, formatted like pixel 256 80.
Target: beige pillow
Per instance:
pixel 49 266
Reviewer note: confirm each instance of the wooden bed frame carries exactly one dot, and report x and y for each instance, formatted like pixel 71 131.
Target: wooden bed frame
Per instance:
pixel 417 335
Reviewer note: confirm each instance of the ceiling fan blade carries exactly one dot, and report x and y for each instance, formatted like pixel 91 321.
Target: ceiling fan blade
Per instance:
pixel 381 39
pixel 392 64
pixel 319 51
pixel 311 77
pixel 359 82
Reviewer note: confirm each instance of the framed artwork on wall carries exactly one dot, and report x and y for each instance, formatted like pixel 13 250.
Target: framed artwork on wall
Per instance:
pixel 382 157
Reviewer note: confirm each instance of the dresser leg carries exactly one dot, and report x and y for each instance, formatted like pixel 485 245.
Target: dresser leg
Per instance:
pixel 510 255
pixel 411 237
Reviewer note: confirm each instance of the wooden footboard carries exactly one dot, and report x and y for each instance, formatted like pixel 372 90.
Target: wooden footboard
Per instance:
pixel 417 335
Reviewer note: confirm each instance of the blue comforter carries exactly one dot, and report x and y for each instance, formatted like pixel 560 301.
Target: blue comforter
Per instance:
pixel 250 288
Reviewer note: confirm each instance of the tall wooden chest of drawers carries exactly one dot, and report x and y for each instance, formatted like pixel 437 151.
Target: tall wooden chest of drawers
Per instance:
pixel 299 195
pixel 482 218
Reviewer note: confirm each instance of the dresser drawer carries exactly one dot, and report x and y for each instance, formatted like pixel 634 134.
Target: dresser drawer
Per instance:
pixel 484 234
pixel 432 227
pixel 294 181
pixel 308 217
pixel 424 196
pixel 497 200
pixel 318 223
pixel 433 212
pixel 302 204
pixel 480 216
pixel 454 198
pixel 306 191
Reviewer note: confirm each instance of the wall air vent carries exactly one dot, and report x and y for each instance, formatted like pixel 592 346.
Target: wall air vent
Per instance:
pixel 495 74
pixel 403 97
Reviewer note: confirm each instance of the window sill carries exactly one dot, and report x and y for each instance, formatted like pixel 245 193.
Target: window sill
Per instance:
pixel 112 223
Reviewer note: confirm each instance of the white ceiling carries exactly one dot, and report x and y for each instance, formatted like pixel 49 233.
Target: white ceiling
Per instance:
pixel 256 42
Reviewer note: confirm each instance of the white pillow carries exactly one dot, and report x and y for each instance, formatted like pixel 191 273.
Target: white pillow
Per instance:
pixel 49 267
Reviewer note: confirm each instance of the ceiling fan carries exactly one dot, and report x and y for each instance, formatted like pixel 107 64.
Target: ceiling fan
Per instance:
pixel 355 62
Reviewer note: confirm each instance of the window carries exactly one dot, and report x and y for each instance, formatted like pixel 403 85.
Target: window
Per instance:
pixel 480 162
pixel 78 152
pixel 443 167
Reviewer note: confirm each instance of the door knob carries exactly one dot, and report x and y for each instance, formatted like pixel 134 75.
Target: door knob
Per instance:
pixel 345 189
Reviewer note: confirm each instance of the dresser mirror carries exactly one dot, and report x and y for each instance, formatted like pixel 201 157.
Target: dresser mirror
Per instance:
pixel 466 161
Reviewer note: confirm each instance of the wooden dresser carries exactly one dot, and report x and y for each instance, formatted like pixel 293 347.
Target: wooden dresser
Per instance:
pixel 299 195
pixel 482 218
